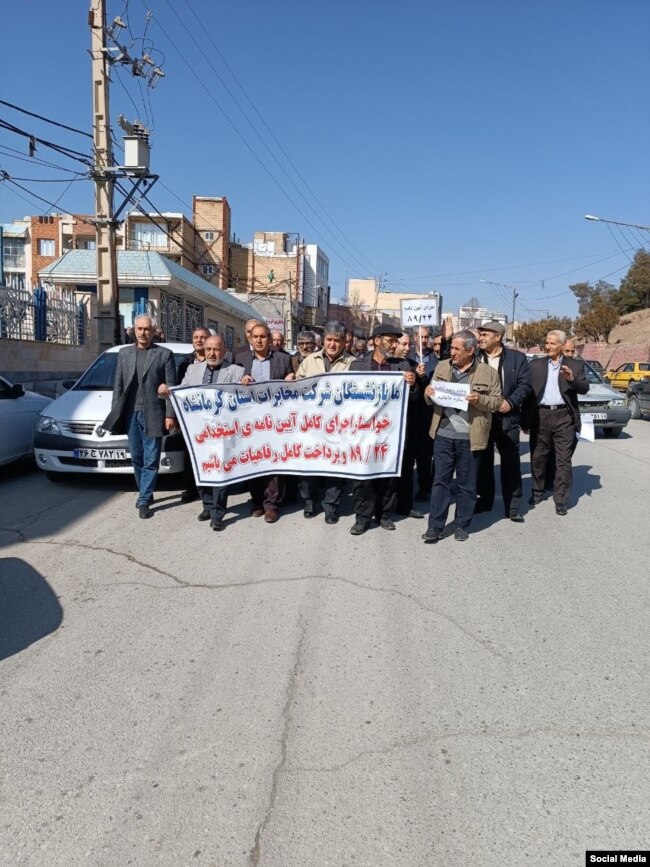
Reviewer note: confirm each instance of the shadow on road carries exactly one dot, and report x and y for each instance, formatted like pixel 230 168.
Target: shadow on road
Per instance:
pixel 29 610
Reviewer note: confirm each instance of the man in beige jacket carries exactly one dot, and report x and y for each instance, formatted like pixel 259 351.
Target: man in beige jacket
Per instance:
pixel 460 435
pixel 332 358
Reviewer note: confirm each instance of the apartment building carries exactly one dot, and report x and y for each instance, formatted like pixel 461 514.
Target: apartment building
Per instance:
pixel 33 243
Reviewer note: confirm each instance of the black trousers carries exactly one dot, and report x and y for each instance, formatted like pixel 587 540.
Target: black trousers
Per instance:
pixel 374 497
pixel 506 443
pixel 424 448
pixel 327 489
pixel 553 428
pixel 215 500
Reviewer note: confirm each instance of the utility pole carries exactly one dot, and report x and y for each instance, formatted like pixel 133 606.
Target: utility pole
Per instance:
pixel 108 307
pixel 515 295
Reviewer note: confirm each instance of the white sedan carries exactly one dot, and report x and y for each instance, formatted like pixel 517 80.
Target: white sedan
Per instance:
pixel 19 412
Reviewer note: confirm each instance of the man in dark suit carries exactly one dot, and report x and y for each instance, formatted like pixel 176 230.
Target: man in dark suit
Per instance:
pixel 261 364
pixel 512 367
pixel 552 415
pixel 376 497
pixel 245 347
pixel 138 409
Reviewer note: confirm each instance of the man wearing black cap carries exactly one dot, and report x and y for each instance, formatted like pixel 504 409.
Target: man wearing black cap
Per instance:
pixel 376 497
pixel 514 374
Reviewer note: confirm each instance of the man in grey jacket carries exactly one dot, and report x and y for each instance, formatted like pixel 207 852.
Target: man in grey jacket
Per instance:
pixel 212 371
pixel 139 410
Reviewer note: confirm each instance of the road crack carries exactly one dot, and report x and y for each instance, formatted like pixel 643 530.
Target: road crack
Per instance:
pixel 287 718
pixel 431 738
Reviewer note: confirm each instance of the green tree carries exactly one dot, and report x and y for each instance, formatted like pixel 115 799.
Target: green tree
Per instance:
pixel 588 295
pixel 597 323
pixel 534 333
pixel 634 291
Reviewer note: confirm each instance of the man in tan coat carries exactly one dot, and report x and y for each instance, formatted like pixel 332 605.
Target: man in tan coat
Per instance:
pixel 332 358
pixel 460 435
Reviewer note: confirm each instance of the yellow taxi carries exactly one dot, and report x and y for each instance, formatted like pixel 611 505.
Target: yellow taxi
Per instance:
pixel 631 371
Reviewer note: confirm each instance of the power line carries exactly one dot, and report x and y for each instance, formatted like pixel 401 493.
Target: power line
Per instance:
pixel 248 145
pixel 46 119
pixel 64 151
pixel 342 237
pixel 13 154
pixel 8 179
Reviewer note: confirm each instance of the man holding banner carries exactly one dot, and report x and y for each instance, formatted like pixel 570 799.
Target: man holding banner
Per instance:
pixel 376 497
pixel 332 358
pixel 465 394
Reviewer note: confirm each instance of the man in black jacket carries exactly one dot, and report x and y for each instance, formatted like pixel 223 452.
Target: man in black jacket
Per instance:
pixel 512 367
pixel 552 415
pixel 376 497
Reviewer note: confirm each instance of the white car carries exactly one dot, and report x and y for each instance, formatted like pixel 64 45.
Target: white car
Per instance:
pixel 19 412
pixel 70 438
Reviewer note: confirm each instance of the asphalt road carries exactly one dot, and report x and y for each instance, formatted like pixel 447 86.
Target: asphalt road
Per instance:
pixel 290 695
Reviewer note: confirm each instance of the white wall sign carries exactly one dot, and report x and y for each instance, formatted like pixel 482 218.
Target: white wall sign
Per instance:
pixel 419 311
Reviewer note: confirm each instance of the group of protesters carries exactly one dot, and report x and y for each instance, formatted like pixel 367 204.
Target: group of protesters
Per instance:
pixel 449 450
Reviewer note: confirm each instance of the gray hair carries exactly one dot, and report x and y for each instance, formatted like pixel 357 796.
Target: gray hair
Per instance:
pixel 306 335
pixel 151 320
pixel 337 329
pixel 469 340
pixel 262 325
pixel 561 335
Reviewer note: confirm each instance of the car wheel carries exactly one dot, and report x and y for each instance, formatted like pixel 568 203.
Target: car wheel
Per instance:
pixel 634 405
pixel 612 431
pixel 56 477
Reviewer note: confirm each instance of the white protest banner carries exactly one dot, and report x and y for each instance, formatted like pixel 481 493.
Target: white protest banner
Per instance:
pixel 275 323
pixel 587 432
pixel 419 311
pixel 451 394
pixel 338 424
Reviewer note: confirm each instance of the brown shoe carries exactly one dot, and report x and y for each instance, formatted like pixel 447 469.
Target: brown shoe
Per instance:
pixel 257 512
pixel 270 516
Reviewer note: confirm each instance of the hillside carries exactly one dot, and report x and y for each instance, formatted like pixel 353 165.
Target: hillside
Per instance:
pixel 632 328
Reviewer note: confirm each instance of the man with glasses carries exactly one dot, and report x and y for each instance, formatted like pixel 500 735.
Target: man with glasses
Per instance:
pixel 306 343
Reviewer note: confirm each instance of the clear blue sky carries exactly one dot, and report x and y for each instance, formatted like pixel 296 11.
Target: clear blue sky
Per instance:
pixel 449 140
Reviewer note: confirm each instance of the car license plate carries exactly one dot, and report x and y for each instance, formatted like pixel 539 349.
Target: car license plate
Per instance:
pixel 599 416
pixel 101 454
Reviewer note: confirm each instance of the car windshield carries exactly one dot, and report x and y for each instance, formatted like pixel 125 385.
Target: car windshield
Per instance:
pixel 593 377
pixel 100 376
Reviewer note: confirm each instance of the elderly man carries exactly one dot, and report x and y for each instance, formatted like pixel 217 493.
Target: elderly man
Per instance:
pixel 404 501
pixel 261 364
pixel 460 435
pixel 376 497
pixel 248 330
pixel 142 369
pixel 306 344
pixel 212 371
pixel 569 350
pixel 199 336
pixel 552 415
pixel 278 341
pixel 332 358
pixel 512 368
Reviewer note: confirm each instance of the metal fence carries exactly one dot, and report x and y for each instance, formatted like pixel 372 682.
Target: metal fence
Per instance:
pixel 46 315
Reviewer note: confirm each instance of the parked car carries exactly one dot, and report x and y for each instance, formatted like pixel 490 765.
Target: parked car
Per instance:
pixel 632 371
pixel 597 366
pixel 19 412
pixel 638 398
pixel 607 407
pixel 70 437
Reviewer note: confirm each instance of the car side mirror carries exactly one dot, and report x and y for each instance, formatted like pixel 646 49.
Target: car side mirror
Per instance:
pixel 17 390
pixel 68 383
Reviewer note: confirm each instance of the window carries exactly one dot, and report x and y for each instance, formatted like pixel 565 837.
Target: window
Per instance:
pixel 145 235
pixel 86 244
pixel 210 270
pixel 46 247
pixel 209 236
pixel 14 252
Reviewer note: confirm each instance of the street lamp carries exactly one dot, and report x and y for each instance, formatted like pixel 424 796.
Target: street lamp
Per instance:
pixel 616 222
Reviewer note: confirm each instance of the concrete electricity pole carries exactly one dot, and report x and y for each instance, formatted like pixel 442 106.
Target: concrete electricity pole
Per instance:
pixel 109 332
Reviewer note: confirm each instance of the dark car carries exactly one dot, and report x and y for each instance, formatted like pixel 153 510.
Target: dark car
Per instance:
pixel 638 398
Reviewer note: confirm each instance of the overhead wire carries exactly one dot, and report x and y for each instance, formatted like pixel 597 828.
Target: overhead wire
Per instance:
pixel 249 147
pixel 12 153
pixel 64 151
pixel 342 237
pixel 8 179
pixel 46 119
